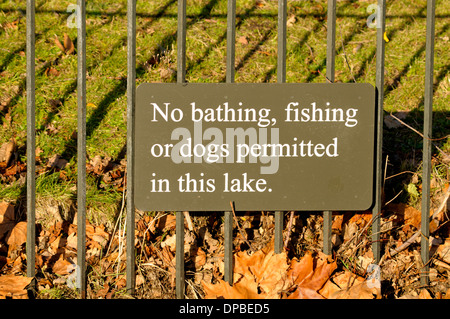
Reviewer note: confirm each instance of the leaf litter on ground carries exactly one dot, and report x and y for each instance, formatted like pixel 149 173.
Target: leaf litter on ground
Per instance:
pixel 258 273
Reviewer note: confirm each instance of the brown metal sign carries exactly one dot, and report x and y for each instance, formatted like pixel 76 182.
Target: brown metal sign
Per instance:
pixel 263 146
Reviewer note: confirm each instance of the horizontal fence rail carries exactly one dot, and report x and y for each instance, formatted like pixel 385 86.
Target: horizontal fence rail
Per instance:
pixel 230 74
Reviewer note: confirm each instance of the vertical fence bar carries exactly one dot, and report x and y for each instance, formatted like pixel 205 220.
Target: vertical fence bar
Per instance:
pixel 331 51
pixel 81 149
pixel 331 39
pixel 281 78
pixel 379 83
pixel 131 99
pixel 179 258
pixel 327 223
pixel 281 55
pixel 427 131
pixel 228 221
pixel 181 42
pixel 228 238
pixel 231 39
pixel 278 243
pixel 181 78
pixel 31 140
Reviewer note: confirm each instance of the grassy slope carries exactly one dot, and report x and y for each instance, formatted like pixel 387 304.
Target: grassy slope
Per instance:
pixel 206 52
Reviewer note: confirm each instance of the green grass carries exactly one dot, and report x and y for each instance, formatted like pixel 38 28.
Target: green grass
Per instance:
pixel 58 292
pixel 206 55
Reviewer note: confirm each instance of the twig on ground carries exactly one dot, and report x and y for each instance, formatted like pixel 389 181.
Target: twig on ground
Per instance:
pixel 416 131
pixel 118 218
pixel 194 290
pixel 188 221
pixel 241 231
pixel 348 64
pixel 441 263
pixel 404 172
pixel 385 170
pixel 121 246
pixel 291 218
pixel 395 251
pixel 310 51
pixel 412 239
pixel 356 235
pixel 388 202
pixel 444 202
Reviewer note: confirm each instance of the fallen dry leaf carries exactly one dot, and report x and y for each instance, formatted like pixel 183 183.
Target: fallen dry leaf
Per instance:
pixel 56 161
pixel 409 216
pixel 443 251
pixel 166 222
pixel 6 151
pixel 346 279
pixel 346 285
pixel 67 47
pixel 101 293
pixel 170 242
pixel 72 241
pixel 291 21
pixel 100 236
pixel 11 25
pixel 59 44
pixel 68 44
pixel 12 286
pixel 260 3
pixel 51 72
pixel 267 275
pixel 243 40
pixel 199 258
pixel 17 236
pixel 337 222
pixel 358 291
pixel 15 169
pixel 305 293
pixel 310 274
pixel 425 294
pixel 54 103
pixel 62 266
pixel 299 270
pixel 267 268
pixel 97 164
pixel 361 219
pixel 56 244
pixel 329 289
pixel 243 288
pixel 7 221
pixel 447 294
pixel 260 275
pixel 140 280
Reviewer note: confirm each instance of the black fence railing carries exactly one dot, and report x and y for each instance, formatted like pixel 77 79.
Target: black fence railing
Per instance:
pixel 181 72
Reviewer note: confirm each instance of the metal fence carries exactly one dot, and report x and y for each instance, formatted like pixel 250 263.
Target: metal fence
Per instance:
pixel 181 72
